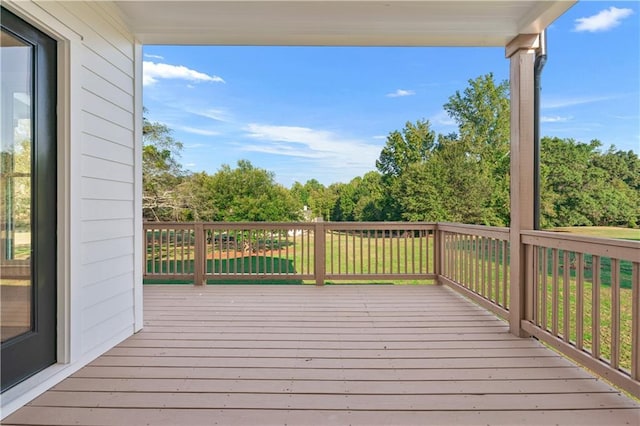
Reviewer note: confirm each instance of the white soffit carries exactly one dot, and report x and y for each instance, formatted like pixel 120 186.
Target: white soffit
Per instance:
pixel 338 22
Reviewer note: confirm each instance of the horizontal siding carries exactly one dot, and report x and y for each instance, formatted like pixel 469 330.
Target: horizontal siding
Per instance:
pixel 103 290
pixel 106 269
pixel 107 209
pixel 98 230
pixel 104 128
pixel 103 310
pixel 106 89
pixel 106 169
pixel 105 31
pixel 105 108
pixel 103 251
pixel 102 67
pixel 108 329
pixel 95 146
pixel 97 34
pixel 101 189
pixel 94 104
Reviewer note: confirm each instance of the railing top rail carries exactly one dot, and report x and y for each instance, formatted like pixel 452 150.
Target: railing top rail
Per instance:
pixel 608 247
pixel 258 225
pixel 230 225
pixel 380 225
pixel 497 232
pixel 168 225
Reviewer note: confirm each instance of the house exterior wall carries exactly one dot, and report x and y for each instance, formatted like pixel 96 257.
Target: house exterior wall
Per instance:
pixel 99 183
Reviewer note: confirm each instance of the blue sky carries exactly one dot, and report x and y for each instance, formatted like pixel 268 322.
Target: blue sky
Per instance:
pixel 325 112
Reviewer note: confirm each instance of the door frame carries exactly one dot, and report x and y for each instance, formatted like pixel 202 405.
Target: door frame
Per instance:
pixel 69 153
pixel 35 350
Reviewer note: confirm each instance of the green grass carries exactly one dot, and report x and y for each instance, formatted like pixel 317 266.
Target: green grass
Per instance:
pixel 602 232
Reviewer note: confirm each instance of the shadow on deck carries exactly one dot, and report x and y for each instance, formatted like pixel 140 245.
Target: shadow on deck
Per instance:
pixel 333 355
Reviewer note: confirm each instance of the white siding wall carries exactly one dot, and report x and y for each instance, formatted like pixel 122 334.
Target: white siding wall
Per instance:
pixel 106 172
pixel 101 192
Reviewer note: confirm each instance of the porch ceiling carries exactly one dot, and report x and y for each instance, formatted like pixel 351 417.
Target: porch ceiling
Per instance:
pixel 336 22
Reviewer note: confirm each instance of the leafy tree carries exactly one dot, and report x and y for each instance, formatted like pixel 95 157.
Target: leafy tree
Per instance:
pixel 450 186
pixel 15 165
pixel 482 112
pixel 161 172
pixel 318 198
pixel 403 149
pixel 246 193
pixel 412 145
pixel 371 205
pixel 581 186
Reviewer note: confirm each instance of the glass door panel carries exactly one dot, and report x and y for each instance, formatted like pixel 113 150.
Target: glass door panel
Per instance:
pixel 16 287
pixel 28 200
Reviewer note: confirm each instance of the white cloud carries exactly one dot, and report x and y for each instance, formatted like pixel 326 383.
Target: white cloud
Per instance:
pixel 443 119
pixel 216 114
pixel 400 93
pixel 554 119
pixel 332 150
pixel 551 103
pixel 152 72
pixel 380 137
pixel 197 131
pixel 148 55
pixel 603 20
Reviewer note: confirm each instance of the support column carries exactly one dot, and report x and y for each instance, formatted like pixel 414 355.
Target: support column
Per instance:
pixel 521 52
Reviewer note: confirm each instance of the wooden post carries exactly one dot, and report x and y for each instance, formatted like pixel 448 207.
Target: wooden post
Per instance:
pixel 319 252
pixel 521 52
pixel 635 321
pixel 199 256
pixel 437 254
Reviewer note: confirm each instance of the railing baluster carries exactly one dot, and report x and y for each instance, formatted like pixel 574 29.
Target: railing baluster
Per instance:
pixel 375 234
pixel 153 251
pixel 368 251
pixel 360 235
pixel 331 247
pixel 478 281
pixel 398 237
pixel 635 321
pixel 530 282
pixel 545 275
pixel 406 252
pixel 319 253
pixel 458 258
pixel 566 299
pixel 615 313
pixel 353 249
pixel 463 260
pixel 554 293
pixel 595 309
pixel 580 301
pixel 340 252
pixel 199 255
pixel 505 277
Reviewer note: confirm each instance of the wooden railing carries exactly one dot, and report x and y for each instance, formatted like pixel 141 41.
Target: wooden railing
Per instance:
pixel 289 251
pixel 583 299
pixel 582 295
pixel 475 261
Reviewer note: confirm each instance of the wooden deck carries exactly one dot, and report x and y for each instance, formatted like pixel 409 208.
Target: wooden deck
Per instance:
pixel 333 355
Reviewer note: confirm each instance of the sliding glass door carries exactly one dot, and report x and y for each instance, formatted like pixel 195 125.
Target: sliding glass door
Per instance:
pixel 27 200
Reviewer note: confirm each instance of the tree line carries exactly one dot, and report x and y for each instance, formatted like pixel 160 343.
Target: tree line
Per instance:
pixel 420 176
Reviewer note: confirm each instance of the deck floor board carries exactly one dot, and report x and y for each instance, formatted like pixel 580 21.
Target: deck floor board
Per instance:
pixel 336 355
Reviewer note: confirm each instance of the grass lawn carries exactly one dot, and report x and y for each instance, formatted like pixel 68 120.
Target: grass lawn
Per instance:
pixel 602 232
